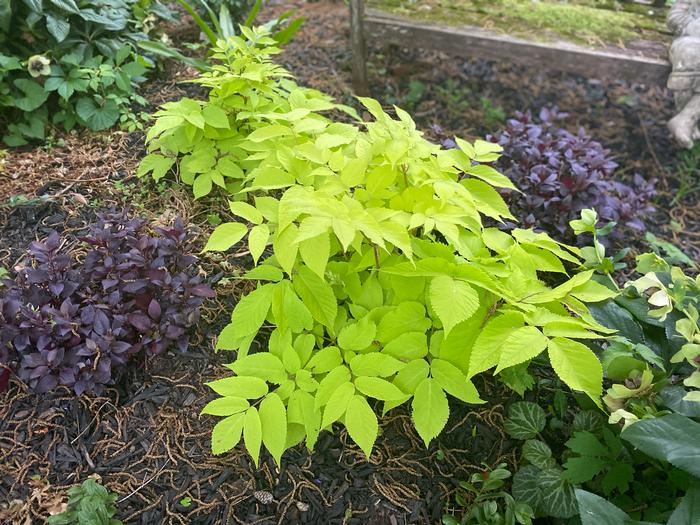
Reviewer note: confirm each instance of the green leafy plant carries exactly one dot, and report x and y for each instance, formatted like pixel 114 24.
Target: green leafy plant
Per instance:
pixel 70 64
pixel 671 438
pixel 490 504
pixel 382 283
pixel 88 504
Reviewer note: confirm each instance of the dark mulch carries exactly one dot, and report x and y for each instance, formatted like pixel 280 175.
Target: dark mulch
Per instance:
pixel 146 441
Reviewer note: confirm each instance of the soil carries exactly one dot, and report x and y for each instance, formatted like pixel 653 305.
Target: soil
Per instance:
pixel 145 439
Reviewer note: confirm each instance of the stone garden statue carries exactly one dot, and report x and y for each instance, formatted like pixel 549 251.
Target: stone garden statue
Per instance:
pixel 684 20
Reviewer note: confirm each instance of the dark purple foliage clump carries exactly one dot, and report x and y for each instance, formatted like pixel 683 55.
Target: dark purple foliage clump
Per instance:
pixel 561 173
pixel 72 322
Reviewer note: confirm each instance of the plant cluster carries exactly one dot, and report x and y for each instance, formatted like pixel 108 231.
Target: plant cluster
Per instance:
pixel 69 64
pixel 88 504
pixel 561 173
pixel 73 322
pixel 382 282
pixel 491 504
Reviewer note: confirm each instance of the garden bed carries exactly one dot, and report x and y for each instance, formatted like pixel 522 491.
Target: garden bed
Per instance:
pixel 145 437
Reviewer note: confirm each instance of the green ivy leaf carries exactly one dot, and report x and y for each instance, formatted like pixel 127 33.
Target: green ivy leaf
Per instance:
pixel 525 420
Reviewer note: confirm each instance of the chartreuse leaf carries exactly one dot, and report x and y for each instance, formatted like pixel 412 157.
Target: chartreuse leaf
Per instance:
pixel 453 381
pixel 521 345
pixel 453 301
pixel 338 403
pixel 315 252
pixel 224 236
pixel 378 388
pixel 357 336
pixel 226 406
pixel 577 366
pixel 252 433
pixel 227 433
pixel 257 240
pixel 246 211
pixel 486 351
pixel 261 365
pixel 317 295
pixel 361 423
pixel 329 384
pixel 273 425
pixel 430 409
pixel 251 310
pixel 240 386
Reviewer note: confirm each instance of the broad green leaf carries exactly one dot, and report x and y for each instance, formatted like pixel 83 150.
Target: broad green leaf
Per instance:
pixel 361 423
pixel 202 186
pixel 453 301
pixel 430 410
pixel 593 292
pixel 251 311
pixel 157 164
pixel 688 510
pixel 324 360
pixel 412 375
pixel 595 510
pixel 239 386
pixel 486 351
pixel 357 336
pixel 521 345
pixel 329 384
pixel 285 248
pixel 558 498
pixel 408 346
pixel 315 252
pixel 227 433
pixel 375 365
pixel 257 241
pixel 226 406
pixel 672 438
pixel 525 420
pixel 263 365
pixel 406 317
pixel 245 210
pixel 538 453
pixel 215 116
pixel 454 382
pixel 224 236
pixel 577 366
pixel 338 403
pixel 378 388
pixel 273 424
pixel 526 487
pixel 317 295
pixel 252 434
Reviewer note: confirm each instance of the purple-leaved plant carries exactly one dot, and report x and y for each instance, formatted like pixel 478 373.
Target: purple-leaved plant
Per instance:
pixel 561 173
pixel 71 322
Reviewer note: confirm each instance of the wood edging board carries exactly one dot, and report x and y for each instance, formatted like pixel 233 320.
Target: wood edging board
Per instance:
pixel 617 63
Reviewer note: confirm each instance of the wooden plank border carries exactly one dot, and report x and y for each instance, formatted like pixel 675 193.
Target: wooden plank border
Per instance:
pixel 629 64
